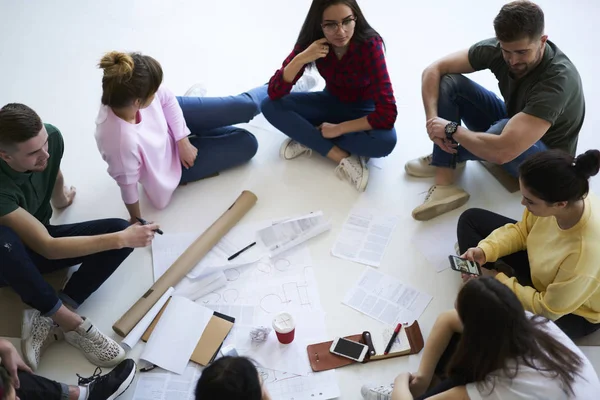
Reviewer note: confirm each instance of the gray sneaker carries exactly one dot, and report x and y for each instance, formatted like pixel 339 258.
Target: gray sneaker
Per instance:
pixel 38 333
pixel 373 392
pixel 98 348
pixel 355 170
pixel 196 90
pixel 291 149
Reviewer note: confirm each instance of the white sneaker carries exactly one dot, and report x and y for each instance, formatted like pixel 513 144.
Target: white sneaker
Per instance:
pixel 98 348
pixel 38 333
pixel 291 149
pixel 197 90
pixel 355 170
pixel 421 167
pixel 306 83
pixel 439 200
pixel 372 392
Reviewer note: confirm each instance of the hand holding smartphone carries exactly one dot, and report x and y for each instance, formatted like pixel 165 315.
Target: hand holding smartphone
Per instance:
pixel 465 266
pixel 349 349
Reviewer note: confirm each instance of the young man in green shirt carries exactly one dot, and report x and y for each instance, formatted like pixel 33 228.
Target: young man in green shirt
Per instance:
pixel 30 181
pixel 543 105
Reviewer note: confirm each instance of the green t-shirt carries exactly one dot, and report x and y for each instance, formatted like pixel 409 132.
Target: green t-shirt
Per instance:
pixel 32 191
pixel 552 91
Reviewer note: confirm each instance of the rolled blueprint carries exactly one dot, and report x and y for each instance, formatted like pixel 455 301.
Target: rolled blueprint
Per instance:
pixel 136 333
pixel 184 264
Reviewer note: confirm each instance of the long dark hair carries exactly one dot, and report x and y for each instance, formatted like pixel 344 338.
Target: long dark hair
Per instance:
pixel 555 175
pixel 497 330
pixel 312 31
pixel 231 378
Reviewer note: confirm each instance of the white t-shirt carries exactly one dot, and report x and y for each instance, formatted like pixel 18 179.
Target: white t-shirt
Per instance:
pixel 531 384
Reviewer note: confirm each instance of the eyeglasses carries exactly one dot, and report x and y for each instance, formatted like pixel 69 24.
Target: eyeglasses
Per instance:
pixel 332 27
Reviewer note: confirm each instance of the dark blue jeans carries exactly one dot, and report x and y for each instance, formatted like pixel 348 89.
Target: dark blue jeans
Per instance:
pixel 298 114
pixel 22 269
pixel 481 110
pixel 220 145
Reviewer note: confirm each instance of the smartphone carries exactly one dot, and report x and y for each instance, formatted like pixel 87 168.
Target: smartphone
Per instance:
pixel 466 266
pixel 349 349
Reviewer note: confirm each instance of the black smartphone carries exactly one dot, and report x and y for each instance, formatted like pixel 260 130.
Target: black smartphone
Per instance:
pixel 466 266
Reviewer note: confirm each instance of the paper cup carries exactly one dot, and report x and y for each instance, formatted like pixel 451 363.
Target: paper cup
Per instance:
pixel 284 327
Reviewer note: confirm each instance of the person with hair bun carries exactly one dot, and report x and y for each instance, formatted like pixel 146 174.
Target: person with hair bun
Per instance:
pixel 146 134
pixel 551 258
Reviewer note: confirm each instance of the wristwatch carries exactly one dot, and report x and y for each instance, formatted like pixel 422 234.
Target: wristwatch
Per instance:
pixel 450 130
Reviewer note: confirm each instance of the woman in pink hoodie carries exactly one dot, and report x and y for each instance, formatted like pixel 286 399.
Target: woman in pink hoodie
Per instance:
pixel 146 134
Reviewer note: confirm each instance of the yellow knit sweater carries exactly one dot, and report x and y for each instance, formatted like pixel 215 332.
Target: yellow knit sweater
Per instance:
pixel 565 264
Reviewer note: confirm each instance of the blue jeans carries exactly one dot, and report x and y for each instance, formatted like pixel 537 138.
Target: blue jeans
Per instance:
pixel 22 269
pixel 220 146
pixel 481 110
pixel 298 114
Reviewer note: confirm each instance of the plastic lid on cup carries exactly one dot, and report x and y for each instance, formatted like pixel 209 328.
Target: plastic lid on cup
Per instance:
pixel 283 323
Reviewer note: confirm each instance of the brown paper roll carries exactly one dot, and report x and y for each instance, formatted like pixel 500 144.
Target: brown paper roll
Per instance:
pixel 184 264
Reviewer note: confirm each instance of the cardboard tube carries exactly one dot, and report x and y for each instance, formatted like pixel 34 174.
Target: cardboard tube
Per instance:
pixel 184 264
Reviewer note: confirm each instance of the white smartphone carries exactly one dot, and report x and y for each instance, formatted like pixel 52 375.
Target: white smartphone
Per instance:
pixel 349 349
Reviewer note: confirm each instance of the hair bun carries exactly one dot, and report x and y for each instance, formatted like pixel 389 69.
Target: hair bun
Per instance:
pixel 588 163
pixel 117 65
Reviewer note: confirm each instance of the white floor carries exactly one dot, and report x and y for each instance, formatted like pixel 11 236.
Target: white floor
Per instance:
pixel 49 52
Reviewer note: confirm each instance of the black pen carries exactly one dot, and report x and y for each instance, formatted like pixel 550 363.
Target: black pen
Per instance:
pixel 241 251
pixel 144 222
pixel 394 336
pixel 148 368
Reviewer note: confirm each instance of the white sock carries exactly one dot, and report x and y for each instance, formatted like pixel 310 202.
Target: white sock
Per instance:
pixel 83 393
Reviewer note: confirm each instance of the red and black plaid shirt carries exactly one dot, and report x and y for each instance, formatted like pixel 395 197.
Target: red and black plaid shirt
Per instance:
pixel 360 75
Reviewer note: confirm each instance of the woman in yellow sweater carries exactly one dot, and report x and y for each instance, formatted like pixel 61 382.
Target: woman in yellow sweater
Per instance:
pixel 554 251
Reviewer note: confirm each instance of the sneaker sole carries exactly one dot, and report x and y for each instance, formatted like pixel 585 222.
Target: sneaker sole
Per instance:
pixel 439 209
pixel 125 385
pixel 365 179
pixel 26 336
pixel 410 172
pixel 98 363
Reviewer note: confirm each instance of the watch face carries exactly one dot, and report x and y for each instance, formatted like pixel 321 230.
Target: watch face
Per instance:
pixel 451 128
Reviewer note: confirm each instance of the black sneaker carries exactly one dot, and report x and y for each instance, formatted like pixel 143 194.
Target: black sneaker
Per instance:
pixel 111 385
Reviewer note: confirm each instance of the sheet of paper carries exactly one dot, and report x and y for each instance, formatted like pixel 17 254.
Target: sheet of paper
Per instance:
pixel 193 289
pixel 168 247
pixel 177 334
pixel 285 386
pixel 138 331
pixel 386 299
pixel 285 234
pixel 435 241
pixel 365 236
pixel 161 385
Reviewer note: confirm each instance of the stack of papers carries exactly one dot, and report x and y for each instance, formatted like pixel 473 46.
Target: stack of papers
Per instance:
pixel 285 234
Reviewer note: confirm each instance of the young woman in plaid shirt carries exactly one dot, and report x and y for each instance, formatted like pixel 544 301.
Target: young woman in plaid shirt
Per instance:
pixel 350 121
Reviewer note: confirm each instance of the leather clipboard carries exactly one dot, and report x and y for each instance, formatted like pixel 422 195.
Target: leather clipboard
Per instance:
pixel 322 360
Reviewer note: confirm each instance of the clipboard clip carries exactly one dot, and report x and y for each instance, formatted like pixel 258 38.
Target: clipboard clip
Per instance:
pixel 368 340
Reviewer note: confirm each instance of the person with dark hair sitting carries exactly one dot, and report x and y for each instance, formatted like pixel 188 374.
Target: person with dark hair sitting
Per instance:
pixel 551 258
pixel 489 347
pixel 18 382
pixel 31 183
pixel 353 119
pixel 231 378
pixel 543 105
